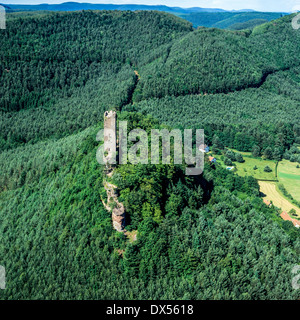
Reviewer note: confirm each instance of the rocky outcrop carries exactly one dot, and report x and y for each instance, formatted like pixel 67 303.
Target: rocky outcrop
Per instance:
pixel 114 206
pixel 110 148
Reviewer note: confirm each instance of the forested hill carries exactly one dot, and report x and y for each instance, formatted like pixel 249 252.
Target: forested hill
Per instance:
pixel 71 6
pixel 205 17
pixel 206 237
pixel 215 61
pixel 44 77
pixel 230 20
pixel 60 71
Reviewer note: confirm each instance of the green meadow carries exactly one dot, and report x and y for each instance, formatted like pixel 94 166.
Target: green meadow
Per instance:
pixel 288 173
pixel 247 168
pixel 289 176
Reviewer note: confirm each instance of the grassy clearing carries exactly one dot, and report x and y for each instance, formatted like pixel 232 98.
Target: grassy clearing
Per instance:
pixel 289 176
pixel 246 154
pixel 247 168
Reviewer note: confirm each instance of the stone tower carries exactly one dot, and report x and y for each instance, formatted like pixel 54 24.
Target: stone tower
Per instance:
pixel 110 138
pixel 2 18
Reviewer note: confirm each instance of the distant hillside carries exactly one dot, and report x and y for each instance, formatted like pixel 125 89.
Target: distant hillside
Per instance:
pixel 205 17
pixel 251 24
pixel 225 20
pixel 215 61
pixel 5 6
pixel 171 58
pixel 73 6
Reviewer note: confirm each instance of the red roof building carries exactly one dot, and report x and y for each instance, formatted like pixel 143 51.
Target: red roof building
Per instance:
pixel 267 202
pixel 212 159
pixel 285 216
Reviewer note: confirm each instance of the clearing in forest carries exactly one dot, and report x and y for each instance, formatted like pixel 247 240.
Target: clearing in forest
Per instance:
pixel 271 194
pixel 252 166
pixel 255 167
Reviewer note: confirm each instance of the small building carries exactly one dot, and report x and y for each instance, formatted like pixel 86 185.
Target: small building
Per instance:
pixel 267 202
pixel 204 148
pixel 285 216
pixel 212 159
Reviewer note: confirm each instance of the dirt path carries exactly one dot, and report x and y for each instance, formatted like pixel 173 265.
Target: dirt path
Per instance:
pixel 137 74
pixel 269 189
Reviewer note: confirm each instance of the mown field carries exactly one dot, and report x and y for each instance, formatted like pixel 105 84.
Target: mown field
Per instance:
pixel 271 193
pixel 289 176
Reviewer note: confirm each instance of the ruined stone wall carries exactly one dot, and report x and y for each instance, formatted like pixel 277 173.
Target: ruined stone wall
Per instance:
pixel 110 137
pixel 110 149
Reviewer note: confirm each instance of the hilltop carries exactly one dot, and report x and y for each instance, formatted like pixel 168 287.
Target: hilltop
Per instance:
pixel 206 17
pixel 195 237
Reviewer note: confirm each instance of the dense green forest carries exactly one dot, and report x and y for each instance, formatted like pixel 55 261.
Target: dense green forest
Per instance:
pixel 48 79
pixel 216 61
pixel 214 240
pixel 229 20
pixel 201 237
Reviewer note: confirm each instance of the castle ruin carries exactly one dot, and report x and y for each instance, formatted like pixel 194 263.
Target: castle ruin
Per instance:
pixel 110 152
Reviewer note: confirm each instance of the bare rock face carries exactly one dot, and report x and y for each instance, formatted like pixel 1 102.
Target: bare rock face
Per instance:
pixel 118 222
pixel 118 217
pixel 115 207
